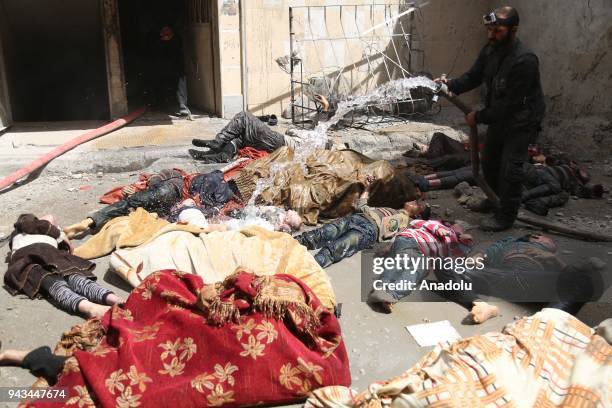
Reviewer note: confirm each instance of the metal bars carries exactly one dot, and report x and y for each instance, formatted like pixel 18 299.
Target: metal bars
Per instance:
pixel 346 51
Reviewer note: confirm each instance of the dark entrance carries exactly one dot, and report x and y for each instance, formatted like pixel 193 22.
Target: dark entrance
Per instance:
pixel 55 60
pixel 164 40
pixel 153 56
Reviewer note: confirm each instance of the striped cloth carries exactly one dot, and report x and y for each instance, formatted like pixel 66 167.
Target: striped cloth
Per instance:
pixel 548 360
pixel 434 238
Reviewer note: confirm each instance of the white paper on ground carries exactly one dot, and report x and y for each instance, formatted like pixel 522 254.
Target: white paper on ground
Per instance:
pixel 430 334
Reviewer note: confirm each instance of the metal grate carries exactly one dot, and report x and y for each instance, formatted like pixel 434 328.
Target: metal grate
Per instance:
pixel 345 51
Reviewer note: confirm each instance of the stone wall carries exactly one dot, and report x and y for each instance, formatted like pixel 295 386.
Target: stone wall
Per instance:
pixel 574 42
pixel 572 38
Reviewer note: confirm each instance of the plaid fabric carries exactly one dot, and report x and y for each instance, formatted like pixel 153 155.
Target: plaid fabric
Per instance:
pixel 434 238
pixel 548 360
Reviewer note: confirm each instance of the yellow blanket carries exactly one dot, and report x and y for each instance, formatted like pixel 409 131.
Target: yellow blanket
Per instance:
pixel 125 232
pixel 216 255
pixel 550 359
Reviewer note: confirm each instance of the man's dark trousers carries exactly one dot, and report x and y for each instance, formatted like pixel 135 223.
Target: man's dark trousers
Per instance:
pixel 158 198
pixel 503 165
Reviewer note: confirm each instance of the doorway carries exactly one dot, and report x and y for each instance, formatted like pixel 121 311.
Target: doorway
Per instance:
pixel 55 60
pixel 166 42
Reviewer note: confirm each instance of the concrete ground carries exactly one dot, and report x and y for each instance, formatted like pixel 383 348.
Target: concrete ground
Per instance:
pixel 379 346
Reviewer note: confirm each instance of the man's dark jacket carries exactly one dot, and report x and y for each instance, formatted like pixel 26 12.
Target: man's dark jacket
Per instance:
pixel 513 93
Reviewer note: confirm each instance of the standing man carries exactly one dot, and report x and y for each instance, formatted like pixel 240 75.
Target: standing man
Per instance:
pixel 514 109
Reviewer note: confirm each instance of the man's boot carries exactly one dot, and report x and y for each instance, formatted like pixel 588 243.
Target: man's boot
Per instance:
pixel 214 145
pixel 197 154
pixel 497 222
pixel 225 155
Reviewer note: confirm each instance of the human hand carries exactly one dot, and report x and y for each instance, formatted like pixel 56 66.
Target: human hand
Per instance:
pixel 75 229
pixel 68 244
pixel 441 80
pixel 323 101
pixel 128 190
pixel 370 179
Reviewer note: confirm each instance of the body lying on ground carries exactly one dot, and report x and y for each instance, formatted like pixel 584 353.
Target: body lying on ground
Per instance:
pixel 442 154
pixel 422 238
pixel 247 130
pixel 164 191
pixel 550 359
pixel 519 364
pixel 524 269
pixel 244 341
pixel 41 264
pixel 327 183
pixel 214 256
pixel 544 186
pixel 267 217
pixel 348 235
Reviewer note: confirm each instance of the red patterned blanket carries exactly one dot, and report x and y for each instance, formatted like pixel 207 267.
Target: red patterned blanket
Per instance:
pixel 180 343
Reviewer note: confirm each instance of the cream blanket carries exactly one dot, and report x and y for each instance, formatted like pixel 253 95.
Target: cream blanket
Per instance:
pixel 216 255
pixel 550 359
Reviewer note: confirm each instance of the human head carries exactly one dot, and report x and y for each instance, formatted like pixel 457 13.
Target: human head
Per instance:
pixel 458 228
pixel 417 209
pixel 166 33
pixel 466 241
pixel 581 174
pixel 189 202
pixel 543 240
pixel 48 217
pixel 293 219
pixel 502 25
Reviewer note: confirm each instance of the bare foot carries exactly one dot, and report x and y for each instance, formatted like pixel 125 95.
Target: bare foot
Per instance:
pixel 381 300
pixel 113 299
pixel 387 307
pixel 482 311
pixel 75 229
pixel 90 309
pixel 98 311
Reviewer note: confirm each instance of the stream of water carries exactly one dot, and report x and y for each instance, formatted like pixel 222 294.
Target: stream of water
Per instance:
pixel 390 92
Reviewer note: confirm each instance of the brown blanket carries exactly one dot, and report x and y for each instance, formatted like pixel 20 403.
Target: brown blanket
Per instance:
pixel 327 185
pixel 28 266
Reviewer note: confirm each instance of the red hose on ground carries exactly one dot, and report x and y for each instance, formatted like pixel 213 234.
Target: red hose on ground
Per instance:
pixel 71 144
